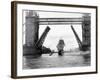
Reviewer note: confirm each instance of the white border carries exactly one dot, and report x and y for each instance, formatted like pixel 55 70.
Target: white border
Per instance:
pixel 21 72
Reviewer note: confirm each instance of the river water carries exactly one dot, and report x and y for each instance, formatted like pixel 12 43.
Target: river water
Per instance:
pixel 46 61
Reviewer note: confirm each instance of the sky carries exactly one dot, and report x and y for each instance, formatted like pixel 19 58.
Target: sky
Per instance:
pixel 58 32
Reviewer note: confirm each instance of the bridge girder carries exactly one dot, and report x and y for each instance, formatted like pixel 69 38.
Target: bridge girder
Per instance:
pixel 60 21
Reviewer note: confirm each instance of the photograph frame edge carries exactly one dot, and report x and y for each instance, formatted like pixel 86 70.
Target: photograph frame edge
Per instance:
pixel 14 38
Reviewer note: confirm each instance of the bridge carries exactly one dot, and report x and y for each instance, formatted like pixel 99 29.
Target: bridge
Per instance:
pixel 32 30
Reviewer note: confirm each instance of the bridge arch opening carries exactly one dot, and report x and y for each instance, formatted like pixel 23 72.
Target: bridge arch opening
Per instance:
pixel 58 32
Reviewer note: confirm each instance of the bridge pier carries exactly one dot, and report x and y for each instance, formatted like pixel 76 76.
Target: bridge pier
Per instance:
pixel 31 33
pixel 86 31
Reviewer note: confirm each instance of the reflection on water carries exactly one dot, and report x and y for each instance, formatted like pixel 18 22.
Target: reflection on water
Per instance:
pixel 46 61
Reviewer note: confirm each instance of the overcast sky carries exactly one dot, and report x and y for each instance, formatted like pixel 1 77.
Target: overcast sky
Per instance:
pixel 58 32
